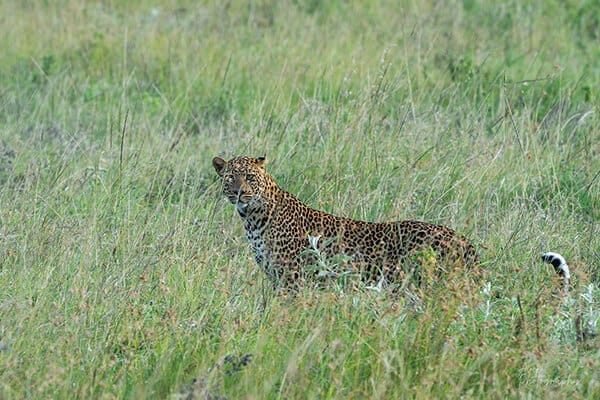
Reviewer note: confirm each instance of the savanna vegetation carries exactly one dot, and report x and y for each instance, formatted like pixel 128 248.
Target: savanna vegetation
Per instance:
pixel 125 274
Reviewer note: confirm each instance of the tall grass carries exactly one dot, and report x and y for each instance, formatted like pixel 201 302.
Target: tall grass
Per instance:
pixel 123 274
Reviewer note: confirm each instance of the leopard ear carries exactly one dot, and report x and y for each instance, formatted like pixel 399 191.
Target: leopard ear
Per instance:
pixel 261 161
pixel 218 163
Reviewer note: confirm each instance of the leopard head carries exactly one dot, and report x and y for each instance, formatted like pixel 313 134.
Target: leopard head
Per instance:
pixel 245 182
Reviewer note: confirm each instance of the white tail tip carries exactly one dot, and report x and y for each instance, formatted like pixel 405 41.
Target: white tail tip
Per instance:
pixel 558 262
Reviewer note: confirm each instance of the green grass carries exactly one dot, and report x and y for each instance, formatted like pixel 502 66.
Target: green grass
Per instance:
pixel 124 274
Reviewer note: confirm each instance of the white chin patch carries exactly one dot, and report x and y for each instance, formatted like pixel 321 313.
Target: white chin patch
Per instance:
pixel 241 207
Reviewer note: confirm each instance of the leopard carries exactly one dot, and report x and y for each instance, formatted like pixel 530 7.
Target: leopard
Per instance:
pixel 282 231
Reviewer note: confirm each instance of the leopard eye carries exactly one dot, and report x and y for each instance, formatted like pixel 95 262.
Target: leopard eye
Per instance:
pixel 250 178
pixel 229 179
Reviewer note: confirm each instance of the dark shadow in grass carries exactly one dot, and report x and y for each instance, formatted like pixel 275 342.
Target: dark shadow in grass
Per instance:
pixel 7 156
pixel 203 387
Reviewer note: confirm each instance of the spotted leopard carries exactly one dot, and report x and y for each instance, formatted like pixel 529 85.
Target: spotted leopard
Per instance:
pixel 281 229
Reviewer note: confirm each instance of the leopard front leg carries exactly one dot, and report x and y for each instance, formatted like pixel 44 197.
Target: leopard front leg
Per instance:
pixel 285 265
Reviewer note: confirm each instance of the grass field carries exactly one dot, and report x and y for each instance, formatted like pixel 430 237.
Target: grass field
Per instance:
pixel 125 274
